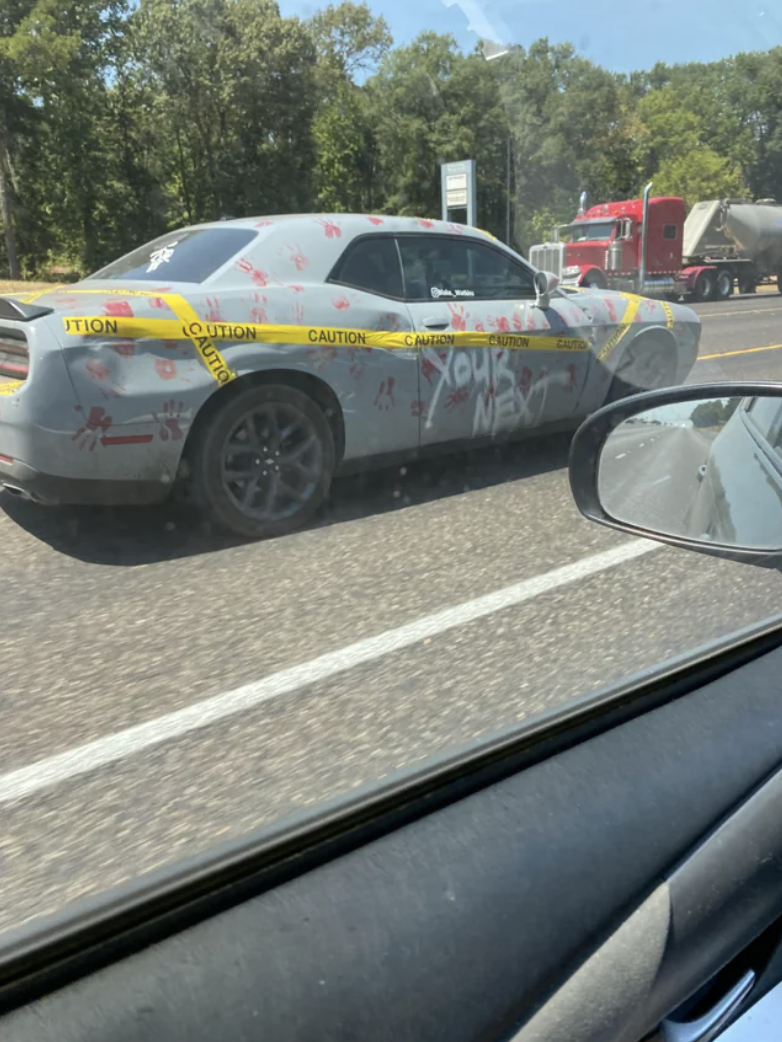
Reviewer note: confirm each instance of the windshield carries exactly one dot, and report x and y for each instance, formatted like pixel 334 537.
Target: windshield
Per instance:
pixel 589 231
pixel 283 447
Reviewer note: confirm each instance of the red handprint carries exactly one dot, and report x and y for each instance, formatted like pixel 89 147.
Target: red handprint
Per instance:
pixel 525 381
pixel 518 321
pixel 458 228
pixel 296 288
pixel 213 314
pixel 97 370
pixel 259 315
pixel 298 314
pixel 384 399
pixel 298 258
pixel 118 309
pixel 458 316
pixel 611 309
pixel 100 373
pixel 158 302
pixel 375 220
pixel 457 397
pixel 264 224
pixel 165 368
pixel 95 426
pixel 260 278
pixel 341 303
pixel 428 368
pixel 425 222
pixel 419 409
pixel 124 348
pixel 331 228
pixel 322 356
pixel 169 420
pixel 501 324
pixel 357 358
pixel 480 327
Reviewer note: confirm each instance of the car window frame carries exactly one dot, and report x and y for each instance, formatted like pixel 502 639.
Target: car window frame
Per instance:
pixel 343 257
pixel 471 240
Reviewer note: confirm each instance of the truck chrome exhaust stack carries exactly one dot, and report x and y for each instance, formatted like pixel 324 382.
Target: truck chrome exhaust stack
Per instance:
pixel 582 203
pixel 644 236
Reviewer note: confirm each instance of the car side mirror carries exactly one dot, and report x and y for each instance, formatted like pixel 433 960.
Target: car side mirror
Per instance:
pixel 697 467
pixel 545 284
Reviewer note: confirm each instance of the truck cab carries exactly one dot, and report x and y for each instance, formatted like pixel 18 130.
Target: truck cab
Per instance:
pixel 602 245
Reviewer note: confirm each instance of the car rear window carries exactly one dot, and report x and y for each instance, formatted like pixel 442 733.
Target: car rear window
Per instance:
pixel 186 256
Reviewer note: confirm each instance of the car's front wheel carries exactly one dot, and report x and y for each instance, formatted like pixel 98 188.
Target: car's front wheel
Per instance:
pixel 263 461
pixel 646 365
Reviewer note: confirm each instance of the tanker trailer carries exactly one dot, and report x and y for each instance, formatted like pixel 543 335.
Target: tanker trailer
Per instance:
pixel 727 240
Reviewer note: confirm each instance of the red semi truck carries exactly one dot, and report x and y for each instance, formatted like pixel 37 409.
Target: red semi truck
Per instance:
pixel 651 246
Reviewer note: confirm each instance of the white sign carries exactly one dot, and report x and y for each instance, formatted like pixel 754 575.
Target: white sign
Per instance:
pixel 456 190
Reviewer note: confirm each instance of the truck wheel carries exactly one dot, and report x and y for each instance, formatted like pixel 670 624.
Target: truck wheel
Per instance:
pixel 263 462
pixel 646 365
pixel 724 285
pixel 747 284
pixel 594 280
pixel 704 286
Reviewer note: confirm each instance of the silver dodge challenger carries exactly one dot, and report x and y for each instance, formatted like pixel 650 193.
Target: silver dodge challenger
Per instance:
pixel 251 360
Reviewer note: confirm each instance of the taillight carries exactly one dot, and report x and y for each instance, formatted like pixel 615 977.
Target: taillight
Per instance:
pixel 14 355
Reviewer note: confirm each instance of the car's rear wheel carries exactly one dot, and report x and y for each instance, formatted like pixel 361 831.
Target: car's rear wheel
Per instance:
pixel 645 365
pixel 263 461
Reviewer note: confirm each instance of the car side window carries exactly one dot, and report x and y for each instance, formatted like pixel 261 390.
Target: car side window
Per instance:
pixel 371 264
pixel 766 415
pixel 456 269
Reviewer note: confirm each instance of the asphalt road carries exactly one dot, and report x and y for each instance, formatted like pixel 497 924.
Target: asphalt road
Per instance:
pixel 261 679
pixel 649 475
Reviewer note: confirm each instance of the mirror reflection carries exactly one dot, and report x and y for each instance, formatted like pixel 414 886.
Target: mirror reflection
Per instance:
pixel 706 469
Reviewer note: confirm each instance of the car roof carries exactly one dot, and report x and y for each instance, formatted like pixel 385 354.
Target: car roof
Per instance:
pixel 352 223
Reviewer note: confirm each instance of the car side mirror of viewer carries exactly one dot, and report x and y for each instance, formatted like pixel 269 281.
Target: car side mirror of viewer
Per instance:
pixel 697 467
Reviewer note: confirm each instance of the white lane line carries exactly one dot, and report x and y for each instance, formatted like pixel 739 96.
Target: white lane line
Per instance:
pixel 660 480
pixel 55 770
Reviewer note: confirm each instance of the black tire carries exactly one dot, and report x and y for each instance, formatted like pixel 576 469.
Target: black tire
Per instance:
pixel 594 280
pixel 724 285
pixel 704 286
pixel 747 281
pixel 646 365
pixel 289 461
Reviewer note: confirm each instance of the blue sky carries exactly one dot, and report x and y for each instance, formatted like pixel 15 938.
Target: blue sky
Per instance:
pixel 618 34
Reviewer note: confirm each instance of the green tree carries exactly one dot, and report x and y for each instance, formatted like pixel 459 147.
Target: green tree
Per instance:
pixel 349 41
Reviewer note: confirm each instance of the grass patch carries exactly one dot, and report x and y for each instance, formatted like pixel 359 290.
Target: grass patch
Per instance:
pixel 22 287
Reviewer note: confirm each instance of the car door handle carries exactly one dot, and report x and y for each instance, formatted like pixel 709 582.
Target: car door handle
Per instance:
pixel 435 323
pixel 706 1027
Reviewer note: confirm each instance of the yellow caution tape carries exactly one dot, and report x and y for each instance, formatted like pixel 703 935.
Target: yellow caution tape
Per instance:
pixel 11 387
pixel 201 339
pixel 619 333
pixel 668 314
pixel 325 336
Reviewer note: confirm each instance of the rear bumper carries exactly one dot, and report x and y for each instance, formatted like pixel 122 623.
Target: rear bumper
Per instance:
pixel 20 479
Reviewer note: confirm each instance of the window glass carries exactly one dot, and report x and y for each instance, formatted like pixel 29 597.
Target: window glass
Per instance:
pixel 188 256
pixel 766 414
pixel 372 265
pixel 453 269
pixel 589 231
pixel 669 231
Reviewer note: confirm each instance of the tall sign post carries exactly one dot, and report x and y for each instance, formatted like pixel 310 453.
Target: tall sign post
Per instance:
pixel 458 190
